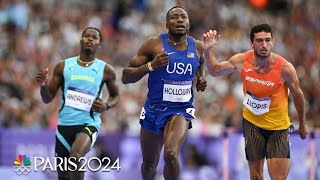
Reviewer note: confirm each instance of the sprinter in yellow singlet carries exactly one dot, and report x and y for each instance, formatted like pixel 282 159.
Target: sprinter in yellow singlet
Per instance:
pixel 267 79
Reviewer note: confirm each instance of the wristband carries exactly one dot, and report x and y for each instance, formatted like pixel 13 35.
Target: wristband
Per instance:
pixel 149 66
pixel 108 107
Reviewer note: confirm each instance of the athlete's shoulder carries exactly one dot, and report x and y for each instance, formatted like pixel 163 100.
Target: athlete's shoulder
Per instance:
pixel 153 39
pixel 243 56
pixel 285 63
pixel 197 42
pixel 58 69
pixel 277 56
pixel 151 46
pixel 287 67
pixel 73 58
pixel 109 72
pixel 100 61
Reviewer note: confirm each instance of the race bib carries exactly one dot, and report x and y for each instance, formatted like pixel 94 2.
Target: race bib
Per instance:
pixel 177 91
pixel 79 99
pixel 143 114
pixel 256 105
pixel 191 111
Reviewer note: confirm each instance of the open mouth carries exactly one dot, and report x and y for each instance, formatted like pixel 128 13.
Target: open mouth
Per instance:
pixel 89 44
pixel 180 27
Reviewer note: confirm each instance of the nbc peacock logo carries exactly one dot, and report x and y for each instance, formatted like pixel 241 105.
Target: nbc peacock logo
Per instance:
pixel 22 165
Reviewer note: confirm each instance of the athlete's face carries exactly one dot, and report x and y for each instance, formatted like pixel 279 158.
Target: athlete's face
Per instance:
pixel 90 41
pixel 262 43
pixel 178 22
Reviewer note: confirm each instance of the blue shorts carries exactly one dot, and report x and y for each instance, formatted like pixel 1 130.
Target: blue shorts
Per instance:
pixel 153 118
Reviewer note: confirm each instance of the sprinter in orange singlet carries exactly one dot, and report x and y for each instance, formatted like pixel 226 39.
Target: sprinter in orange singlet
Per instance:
pixel 267 79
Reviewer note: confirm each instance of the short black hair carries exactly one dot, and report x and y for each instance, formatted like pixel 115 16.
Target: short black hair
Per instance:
pixel 174 7
pixel 260 28
pixel 100 35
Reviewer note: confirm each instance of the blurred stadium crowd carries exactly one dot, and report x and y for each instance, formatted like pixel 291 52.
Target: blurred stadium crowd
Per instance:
pixel 36 34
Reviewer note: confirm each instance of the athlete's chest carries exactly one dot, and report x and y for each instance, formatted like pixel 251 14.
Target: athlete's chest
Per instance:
pixel 83 75
pixel 262 85
pixel 182 63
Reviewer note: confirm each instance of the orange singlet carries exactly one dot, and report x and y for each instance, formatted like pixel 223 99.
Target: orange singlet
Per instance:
pixel 266 96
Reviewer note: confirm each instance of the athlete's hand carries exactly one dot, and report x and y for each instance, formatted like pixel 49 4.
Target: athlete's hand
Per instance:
pixel 303 130
pixel 201 84
pixel 42 77
pixel 210 38
pixel 160 60
pixel 98 105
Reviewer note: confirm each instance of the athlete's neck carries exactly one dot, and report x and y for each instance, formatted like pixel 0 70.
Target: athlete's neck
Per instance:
pixel 177 39
pixel 262 62
pixel 87 57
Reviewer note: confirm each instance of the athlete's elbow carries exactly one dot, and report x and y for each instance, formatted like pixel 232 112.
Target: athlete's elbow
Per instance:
pixel 124 80
pixel 213 72
pixel 125 77
pixel 46 100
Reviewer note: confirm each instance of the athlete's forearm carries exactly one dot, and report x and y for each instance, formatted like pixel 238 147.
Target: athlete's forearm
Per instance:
pixel 217 69
pixel 201 72
pixel 46 95
pixel 299 102
pixel 211 61
pixel 112 101
pixel 134 74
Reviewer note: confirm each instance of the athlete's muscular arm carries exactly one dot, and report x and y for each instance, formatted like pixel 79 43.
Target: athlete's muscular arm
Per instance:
pixel 49 91
pixel 200 73
pixel 224 68
pixel 113 89
pixel 150 51
pixel 289 75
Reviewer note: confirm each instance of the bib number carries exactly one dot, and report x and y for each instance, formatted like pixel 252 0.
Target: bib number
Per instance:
pixel 143 114
pixel 177 91
pixel 79 99
pixel 191 112
pixel 256 105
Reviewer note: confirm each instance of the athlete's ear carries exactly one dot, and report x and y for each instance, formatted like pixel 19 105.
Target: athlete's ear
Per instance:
pixel 251 45
pixel 167 26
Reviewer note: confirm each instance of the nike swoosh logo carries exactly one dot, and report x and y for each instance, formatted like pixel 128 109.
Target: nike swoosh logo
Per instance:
pixel 247 70
pixel 171 53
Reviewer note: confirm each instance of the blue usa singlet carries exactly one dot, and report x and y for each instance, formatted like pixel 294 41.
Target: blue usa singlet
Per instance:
pixel 80 89
pixel 172 85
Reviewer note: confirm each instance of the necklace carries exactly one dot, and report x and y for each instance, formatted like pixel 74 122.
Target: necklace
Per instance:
pixel 176 43
pixel 86 63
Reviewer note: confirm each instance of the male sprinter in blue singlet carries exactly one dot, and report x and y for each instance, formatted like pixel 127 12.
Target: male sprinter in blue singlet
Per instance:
pixel 81 79
pixel 173 60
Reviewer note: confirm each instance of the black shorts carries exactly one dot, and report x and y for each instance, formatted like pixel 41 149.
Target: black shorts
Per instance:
pixel 66 135
pixel 261 143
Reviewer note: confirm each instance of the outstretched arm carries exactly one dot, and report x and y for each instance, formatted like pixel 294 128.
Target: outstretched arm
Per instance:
pixel 48 92
pixel 214 68
pixel 150 57
pixel 289 75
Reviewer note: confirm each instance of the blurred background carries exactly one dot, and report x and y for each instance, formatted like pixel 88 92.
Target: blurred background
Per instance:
pixel 36 34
